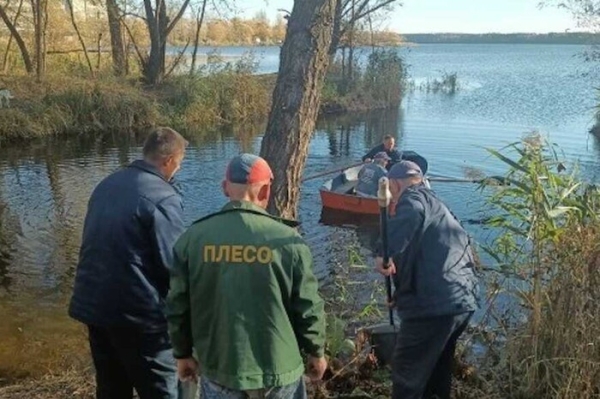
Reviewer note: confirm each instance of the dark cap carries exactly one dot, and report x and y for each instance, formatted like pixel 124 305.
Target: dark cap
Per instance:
pixel 404 169
pixel 248 169
pixel 382 155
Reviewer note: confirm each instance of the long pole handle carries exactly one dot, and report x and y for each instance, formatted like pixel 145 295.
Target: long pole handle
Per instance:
pixel 384 198
pixel 331 171
pixel 500 180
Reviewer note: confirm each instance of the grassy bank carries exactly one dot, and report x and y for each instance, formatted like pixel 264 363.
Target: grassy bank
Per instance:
pixel 222 94
pixel 77 106
pixel 378 84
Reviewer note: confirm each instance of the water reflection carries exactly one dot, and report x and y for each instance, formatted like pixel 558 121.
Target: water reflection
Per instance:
pixel 6 247
pixel 343 131
pixel 363 229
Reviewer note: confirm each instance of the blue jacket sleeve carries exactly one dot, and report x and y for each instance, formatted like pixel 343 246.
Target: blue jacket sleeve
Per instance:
pixel 372 152
pixel 403 227
pixel 404 231
pixel 166 228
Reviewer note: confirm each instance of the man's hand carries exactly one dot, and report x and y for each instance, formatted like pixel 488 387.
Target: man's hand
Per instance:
pixel 315 367
pixel 187 369
pixel 391 268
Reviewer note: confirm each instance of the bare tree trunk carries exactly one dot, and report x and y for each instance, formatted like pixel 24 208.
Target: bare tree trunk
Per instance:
pixel 199 21
pixel 152 67
pixel 18 38
pixel 116 37
pixel 10 39
pixel 337 28
pixel 81 41
pixel 351 48
pixel 162 30
pixel 372 36
pixel 99 57
pixel 304 60
pixel 159 29
pixel 39 9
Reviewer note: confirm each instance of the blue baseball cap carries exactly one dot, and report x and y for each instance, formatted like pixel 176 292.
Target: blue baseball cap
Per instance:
pixel 404 169
pixel 248 169
pixel 382 155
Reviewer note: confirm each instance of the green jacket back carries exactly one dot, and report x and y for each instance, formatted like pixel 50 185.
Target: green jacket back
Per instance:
pixel 243 296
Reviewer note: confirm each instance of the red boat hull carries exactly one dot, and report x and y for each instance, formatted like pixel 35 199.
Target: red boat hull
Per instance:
pixel 349 203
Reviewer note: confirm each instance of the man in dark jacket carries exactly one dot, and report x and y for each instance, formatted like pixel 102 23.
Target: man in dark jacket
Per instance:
pixel 436 286
pixel 134 218
pixel 387 146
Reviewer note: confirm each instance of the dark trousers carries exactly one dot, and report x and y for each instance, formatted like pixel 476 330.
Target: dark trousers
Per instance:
pixel 424 356
pixel 126 358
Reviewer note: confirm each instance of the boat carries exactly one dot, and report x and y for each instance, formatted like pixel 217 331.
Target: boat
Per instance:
pixel 339 193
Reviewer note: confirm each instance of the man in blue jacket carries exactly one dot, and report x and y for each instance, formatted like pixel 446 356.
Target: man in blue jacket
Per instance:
pixel 435 281
pixel 369 175
pixel 134 218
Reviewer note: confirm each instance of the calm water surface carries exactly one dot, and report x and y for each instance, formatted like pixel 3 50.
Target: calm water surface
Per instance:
pixel 507 90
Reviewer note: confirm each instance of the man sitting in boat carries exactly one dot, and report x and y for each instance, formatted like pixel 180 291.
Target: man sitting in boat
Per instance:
pixel 387 146
pixel 369 175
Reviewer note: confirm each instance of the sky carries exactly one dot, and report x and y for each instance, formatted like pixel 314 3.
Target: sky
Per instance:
pixel 454 16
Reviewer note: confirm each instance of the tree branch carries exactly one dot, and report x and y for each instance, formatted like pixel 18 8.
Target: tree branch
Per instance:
pixel 347 8
pixel 81 41
pixel 135 46
pixel 361 14
pixel 177 59
pixel 132 14
pixel 177 17
pixel 358 16
pixel 11 27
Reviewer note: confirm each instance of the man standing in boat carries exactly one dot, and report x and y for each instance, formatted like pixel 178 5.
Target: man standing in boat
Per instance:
pixel 387 146
pixel 433 270
pixel 244 297
pixel 369 175
pixel 133 219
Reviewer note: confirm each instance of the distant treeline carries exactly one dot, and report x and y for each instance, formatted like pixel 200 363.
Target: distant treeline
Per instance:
pixel 490 38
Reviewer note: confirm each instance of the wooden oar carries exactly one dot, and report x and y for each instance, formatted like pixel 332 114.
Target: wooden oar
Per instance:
pixel 338 170
pixel 440 179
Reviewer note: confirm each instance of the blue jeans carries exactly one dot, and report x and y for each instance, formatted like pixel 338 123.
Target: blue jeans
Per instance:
pixel 126 358
pixel 212 390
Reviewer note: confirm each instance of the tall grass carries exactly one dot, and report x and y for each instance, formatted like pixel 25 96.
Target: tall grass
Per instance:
pixel 378 84
pixel 448 83
pixel 225 94
pixel 218 94
pixel 547 344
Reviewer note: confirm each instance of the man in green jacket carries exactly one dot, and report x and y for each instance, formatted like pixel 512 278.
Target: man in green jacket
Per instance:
pixel 244 297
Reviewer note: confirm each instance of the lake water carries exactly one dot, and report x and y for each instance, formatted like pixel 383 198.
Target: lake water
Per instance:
pixel 506 91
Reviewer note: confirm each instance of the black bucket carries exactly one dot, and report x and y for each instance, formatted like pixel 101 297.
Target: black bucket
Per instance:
pixel 382 338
